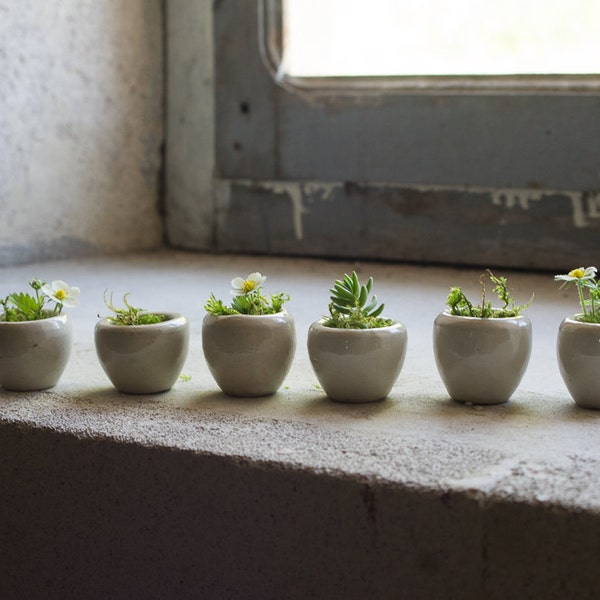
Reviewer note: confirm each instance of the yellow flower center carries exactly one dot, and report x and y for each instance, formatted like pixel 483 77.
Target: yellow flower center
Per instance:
pixel 578 273
pixel 248 286
pixel 60 294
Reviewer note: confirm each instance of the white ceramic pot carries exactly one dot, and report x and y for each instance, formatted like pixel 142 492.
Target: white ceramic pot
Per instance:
pixel 143 359
pixel 34 354
pixel 481 360
pixel 578 353
pixel 357 365
pixel 249 355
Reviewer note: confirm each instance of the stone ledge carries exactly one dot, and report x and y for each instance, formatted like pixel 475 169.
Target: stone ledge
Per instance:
pixel 439 446
pixel 444 500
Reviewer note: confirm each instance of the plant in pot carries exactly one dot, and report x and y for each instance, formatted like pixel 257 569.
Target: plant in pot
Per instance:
pixel 482 352
pixel 35 336
pixel 578 343
pixel 248 345
pixel 356 353
pixel 141 352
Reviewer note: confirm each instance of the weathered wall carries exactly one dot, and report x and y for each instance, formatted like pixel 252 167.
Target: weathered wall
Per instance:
pixel 190 124
pixel 81 127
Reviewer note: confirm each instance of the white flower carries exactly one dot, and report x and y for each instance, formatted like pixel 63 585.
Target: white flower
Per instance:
pixel 580 274
pixel 62 293
pixel 241 286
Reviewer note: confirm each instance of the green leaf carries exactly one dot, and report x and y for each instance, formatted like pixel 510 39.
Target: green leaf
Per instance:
pixel 371 306
pixel 28 305
pixel 241 304
pixel 378 311
pixel 217 308
pixel 342 309
pixel 364 294
pixel 343 293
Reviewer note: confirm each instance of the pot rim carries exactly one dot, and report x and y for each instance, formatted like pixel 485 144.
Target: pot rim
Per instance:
pixel 270 315
pixel 447 313
pixel 320 325
pixel 572 319
pixel 61 317
pixel 171 316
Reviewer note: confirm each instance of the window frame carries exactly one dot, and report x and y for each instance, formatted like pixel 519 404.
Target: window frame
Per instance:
pixel 472 171
pixel 270 39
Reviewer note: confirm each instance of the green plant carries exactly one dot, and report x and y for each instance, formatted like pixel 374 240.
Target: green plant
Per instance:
pixel 248 299
pixel 22 306
pixel 585 281
pixel 131 315
pixel 353 307
pixel 460 305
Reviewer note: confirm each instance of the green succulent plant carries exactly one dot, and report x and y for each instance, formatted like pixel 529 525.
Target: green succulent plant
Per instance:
pixel 353 306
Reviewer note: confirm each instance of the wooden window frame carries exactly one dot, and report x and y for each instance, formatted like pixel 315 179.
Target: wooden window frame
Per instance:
pixel 490 171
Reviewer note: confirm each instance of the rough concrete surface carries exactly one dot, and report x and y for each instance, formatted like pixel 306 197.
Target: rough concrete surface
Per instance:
pixel 81 127
pixel 190 124
pixel 444 500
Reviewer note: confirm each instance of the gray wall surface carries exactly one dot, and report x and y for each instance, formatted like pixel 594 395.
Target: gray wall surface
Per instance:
pixel 190 125
pixel 81 127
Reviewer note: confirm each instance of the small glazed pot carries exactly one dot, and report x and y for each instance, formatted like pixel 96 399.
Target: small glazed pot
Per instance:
pixel 143 359
pixel 481 360
pixel 578 353
pixel 249 355
pixel 34 354
pixel 357 365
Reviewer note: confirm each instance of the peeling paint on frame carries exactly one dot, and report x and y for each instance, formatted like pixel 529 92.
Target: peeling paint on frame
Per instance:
pixel 296 193
pixel 585 205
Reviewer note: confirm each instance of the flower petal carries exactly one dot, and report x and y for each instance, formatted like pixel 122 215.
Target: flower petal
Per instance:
pixel 59 284
pixel 257 278
pixel 74 292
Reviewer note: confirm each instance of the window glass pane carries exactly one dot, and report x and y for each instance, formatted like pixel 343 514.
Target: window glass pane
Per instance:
pixel 441 37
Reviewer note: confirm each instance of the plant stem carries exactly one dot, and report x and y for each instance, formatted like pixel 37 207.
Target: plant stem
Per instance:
pixel 581 298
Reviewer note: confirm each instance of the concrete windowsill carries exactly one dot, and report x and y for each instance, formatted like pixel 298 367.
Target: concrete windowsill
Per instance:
pixel 538 451
pixel 417 437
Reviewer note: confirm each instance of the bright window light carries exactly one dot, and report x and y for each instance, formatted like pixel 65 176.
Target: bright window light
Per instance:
pixel 441 37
